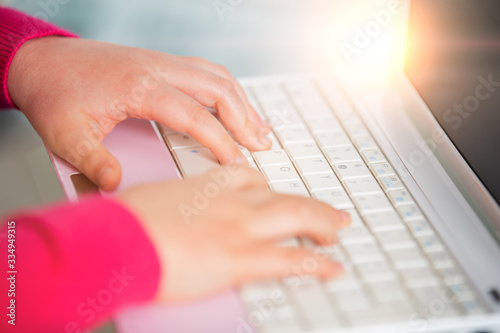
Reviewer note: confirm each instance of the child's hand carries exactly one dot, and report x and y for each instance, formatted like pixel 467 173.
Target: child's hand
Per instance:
pixel 219 230
pixel 75 91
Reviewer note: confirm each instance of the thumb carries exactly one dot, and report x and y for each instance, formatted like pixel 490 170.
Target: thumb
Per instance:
pixel 90 156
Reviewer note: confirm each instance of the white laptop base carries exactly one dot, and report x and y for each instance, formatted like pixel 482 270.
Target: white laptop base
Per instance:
pixel 403 269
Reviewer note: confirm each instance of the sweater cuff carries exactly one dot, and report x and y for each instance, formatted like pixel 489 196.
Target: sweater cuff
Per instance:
pixel 17 28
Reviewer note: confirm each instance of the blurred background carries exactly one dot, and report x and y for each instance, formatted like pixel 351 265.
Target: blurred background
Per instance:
pixel 249 37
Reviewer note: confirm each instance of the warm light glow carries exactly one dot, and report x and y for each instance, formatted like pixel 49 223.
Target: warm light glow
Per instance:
pixel 367 40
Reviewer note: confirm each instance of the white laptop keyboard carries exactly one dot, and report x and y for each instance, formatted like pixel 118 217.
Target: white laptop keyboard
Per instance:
pixel 397 268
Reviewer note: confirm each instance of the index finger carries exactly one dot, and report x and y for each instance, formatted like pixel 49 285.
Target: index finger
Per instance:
pixel 288 216
pixel 180 112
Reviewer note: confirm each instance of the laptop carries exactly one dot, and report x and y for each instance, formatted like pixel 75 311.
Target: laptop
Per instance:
pixel 413 160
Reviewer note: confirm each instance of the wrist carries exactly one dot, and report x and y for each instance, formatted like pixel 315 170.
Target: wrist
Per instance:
pixel 25 67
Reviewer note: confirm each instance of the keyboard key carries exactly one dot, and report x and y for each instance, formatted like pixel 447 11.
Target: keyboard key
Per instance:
pixel 387 291
pixel 351 300
pixel 181 140
pixel 342 154
pixel 372 203
pixel 428 295
pixel 382 221
pixel 303 90
pixel 373 156
pixel 420 228
pixel 400 197
pixel 343 283
pixel 335 97
pixel 334 252
pixel 395 239
pixel 303 150
pixel 357 186
pixel 277 173
pixel 195 161
pixel 354 235
pixel 293 187
pixel 472 307
pixel 294 135
pixel 337 198
pixel 323 123
pixel 376 271
pixel 315 165
pixel 391 183
pixel 462 291
pixel 268 90
pixel 410 212
pixel 271 157
pixel 317 107
pixel 419 277
pixel 431 244
pixel 364 143
pixel 349 119
pixel 363 252
pixel 315 307
pixel 322 182
pixel 355 129
pixel 382 313
pixel 282 107
pixel 441 260
pixel 332 139
pixel 452 274
pixel 382 169
pixel 351 170
pixel 282 120
pixel 404 258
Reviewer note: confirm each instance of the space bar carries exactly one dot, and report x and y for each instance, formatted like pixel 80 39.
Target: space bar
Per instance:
pixel 195 161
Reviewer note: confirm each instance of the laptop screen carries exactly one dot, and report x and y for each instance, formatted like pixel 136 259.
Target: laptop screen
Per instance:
pixel 453 61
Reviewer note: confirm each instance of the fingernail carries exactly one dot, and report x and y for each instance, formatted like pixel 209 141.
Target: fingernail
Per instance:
pixel 104 174
pixel 265 142
pixel 345 218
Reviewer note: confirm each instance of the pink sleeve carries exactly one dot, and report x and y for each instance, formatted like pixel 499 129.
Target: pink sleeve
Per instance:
pixel 73 266
pixel 17 28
